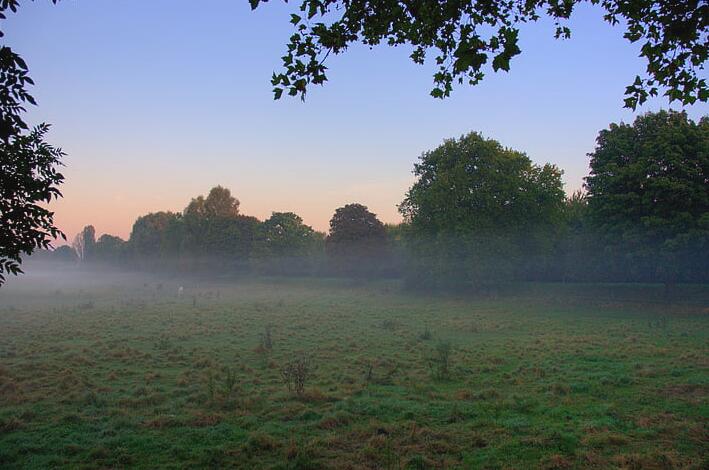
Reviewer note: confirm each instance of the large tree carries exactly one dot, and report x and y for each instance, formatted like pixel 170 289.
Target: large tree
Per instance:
pixel 470 37
pixel 357 240
pixel 477 210
pixel 215 231
pixel 649 195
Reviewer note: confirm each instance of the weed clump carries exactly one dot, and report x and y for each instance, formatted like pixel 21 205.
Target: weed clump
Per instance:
pixel 296 373
pixel 389 325
pixel 222 385
pixel 661 323
pixel 426 335
pixel 265 340
pixel 440 361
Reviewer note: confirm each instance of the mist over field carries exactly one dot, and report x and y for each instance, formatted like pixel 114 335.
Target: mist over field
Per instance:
pixel 132 369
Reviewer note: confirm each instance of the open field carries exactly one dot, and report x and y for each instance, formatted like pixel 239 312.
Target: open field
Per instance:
pixel 122 373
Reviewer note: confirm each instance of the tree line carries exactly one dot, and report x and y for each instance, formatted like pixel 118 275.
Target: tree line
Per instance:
pixel 212 235
pixel 478 213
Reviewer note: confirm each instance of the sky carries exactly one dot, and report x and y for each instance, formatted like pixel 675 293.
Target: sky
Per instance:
pixel 155 102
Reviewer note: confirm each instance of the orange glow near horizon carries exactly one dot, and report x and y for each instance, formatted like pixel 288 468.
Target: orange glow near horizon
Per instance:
pixel 113 209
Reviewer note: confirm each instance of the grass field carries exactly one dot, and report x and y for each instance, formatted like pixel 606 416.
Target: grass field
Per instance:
pixel 120 372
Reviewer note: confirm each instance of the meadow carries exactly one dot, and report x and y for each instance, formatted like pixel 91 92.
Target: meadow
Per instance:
pixel 118 371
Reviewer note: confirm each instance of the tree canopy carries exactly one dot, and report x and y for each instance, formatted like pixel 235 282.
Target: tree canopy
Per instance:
pixel 218 203
pixel 473 184
pixel 357 240
pixel 469 38
pixel 157 234
pixel 354 223
pixel 648 191
pixel 478 210
pixel 285 235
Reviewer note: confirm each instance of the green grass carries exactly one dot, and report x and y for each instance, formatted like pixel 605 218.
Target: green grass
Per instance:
pixel 121 374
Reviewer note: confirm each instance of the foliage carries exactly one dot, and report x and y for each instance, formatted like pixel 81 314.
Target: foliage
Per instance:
pixel 354 223
pixel 28 166
pixel 477 209
pixel 471 37
pixel 110 249
pixel 647 193
pixel 158 234
pixel 357 240
pixel 28 177
pixel 285 235
pixel 64 253
pixel 215 231
pixel 219 203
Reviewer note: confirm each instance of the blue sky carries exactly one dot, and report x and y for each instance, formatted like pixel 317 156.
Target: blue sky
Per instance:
pixel 157 101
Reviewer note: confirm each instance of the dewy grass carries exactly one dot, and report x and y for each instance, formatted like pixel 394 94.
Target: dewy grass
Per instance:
pixel 540 378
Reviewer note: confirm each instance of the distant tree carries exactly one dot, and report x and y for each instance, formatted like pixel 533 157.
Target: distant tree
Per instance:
pixel 396 252
pixel 216 233
pixel 218 203
pixel 209 221
pixel 353 224
pixel 285 235
pixel 157 235
pixel 64 253
pixel 576 210
pixel 648 195
pixel 28 166
pixel 84 243
pixel 285 245
pixel 110 249
pixel 576 255
pixel 477 209
pixel 233 238
pixel 357 239
pixel 472 37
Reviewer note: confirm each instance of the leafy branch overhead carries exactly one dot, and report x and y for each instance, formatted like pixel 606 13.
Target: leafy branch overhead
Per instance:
pixel 470 37
pixel 29 176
